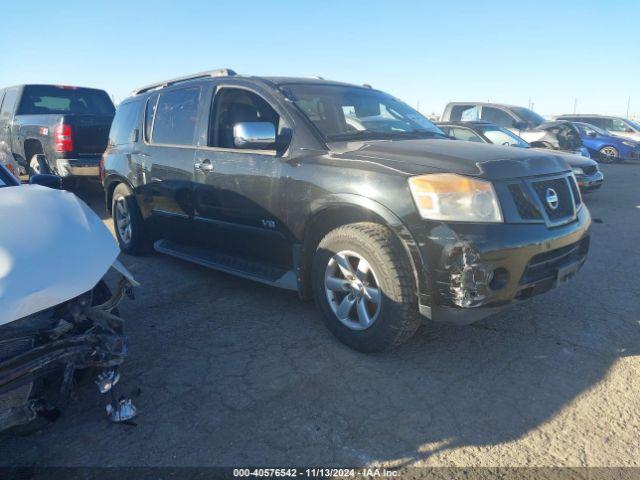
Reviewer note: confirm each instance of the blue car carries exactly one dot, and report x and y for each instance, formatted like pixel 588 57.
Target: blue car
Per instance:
pixel 607 148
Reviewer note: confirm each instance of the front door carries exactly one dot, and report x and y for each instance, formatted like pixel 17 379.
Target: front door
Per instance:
pixel 237 199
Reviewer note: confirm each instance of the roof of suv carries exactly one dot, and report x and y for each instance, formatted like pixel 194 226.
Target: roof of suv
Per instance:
pixel 462 123
pixel 580 115
pixel 485 104
pixel 226 72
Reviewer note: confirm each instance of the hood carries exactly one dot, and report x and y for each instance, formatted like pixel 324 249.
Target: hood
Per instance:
pixel 55 249
pixel 575 160
pixel 494 162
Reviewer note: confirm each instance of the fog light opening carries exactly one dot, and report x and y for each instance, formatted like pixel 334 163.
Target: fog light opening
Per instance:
pixel 500 279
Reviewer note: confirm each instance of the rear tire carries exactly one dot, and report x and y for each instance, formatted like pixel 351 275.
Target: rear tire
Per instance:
pixel 128 223
pixel 341 287
pixel 38 165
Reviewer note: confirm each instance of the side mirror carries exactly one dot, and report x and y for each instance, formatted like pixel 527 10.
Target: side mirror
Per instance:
pixel 628 130
pixel 520 125
pixel 254 135
pixel 49 181
pixel 592 134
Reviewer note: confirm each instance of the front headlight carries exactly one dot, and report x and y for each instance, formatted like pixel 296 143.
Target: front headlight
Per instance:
pixel 447 196
pixel 577 171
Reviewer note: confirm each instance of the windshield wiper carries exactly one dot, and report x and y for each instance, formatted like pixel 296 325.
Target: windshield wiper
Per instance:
pixel 421 133
pixel 376 135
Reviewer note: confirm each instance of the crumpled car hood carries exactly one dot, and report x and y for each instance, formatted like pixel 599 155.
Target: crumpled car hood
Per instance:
pixel 53 247
pixel 494 162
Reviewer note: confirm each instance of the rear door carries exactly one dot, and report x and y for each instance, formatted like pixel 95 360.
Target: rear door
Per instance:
pixel 170 149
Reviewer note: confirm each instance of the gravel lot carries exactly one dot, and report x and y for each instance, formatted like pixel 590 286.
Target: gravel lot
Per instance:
pixel 234 373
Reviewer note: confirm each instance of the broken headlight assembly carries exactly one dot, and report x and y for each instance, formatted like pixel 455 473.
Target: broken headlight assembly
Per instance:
pixel 452 197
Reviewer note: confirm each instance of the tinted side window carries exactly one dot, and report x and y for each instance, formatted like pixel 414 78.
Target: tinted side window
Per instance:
pixel 497 116
pixel 605 123
pixel 176 117
pixel 234 105
pixel 8 103
pixel 465 134
pixel 125 121
pixel 618 125
pixel 150 111
pixel 457 110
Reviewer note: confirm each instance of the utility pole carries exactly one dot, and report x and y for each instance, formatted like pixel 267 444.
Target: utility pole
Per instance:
pixel 628 106
pixel 418 106
pixel 575 106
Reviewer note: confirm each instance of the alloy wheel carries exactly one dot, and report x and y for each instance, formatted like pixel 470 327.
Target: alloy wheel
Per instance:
pixel 609 153
pixel 123 219
pixel 352 290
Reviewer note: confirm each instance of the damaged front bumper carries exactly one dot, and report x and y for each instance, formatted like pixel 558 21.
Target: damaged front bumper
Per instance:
pixel 474 271
pixel 75 336
pixel 591 182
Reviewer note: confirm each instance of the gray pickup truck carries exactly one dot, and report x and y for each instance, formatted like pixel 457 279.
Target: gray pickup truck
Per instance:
pixel 55 129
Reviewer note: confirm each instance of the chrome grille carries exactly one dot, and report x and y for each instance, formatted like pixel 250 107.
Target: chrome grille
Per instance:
pixel 560 187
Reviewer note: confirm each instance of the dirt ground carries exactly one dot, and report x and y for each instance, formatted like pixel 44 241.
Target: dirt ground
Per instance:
pixel 234 373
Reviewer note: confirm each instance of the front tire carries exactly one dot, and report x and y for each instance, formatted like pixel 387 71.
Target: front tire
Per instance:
pixel 608 154
pixel 363 283
pixel 127 222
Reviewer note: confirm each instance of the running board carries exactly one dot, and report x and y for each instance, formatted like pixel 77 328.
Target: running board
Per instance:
pixel 250 269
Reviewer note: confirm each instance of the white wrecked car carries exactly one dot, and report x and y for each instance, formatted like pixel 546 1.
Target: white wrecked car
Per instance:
pixel 58 318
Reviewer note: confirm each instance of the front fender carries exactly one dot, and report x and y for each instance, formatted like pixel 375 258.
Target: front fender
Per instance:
pixel 392 221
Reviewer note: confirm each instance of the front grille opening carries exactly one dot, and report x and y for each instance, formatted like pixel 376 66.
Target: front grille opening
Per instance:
pixel 559 187
pixel 526 208
pixel 575 190
pixel 544 266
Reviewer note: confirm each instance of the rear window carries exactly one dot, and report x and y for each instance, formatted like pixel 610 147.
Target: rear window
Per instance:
pixel 49 99
pixel 176 117
pixel 125 121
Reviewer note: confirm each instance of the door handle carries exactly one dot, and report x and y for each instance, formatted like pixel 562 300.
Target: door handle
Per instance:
pixel 205 166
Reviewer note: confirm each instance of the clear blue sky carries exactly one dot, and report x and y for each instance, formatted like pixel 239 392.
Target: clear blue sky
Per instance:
pixel 551 52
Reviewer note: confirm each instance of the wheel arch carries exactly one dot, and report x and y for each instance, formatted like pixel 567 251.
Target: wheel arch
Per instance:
pixel 609 145
pixel 31 147
pixel 110 184
pixel 337 210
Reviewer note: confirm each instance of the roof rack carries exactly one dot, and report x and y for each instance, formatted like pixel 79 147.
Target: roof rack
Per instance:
pixel 221 72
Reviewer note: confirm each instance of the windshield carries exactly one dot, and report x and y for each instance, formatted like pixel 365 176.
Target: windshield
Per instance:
pixel 529 115
pixel 344 113
pixel 586 128
pixel 502 136
pixel 50 99
pixel 634 125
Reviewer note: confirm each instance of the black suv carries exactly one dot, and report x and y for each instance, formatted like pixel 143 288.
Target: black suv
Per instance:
pixel 340 192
